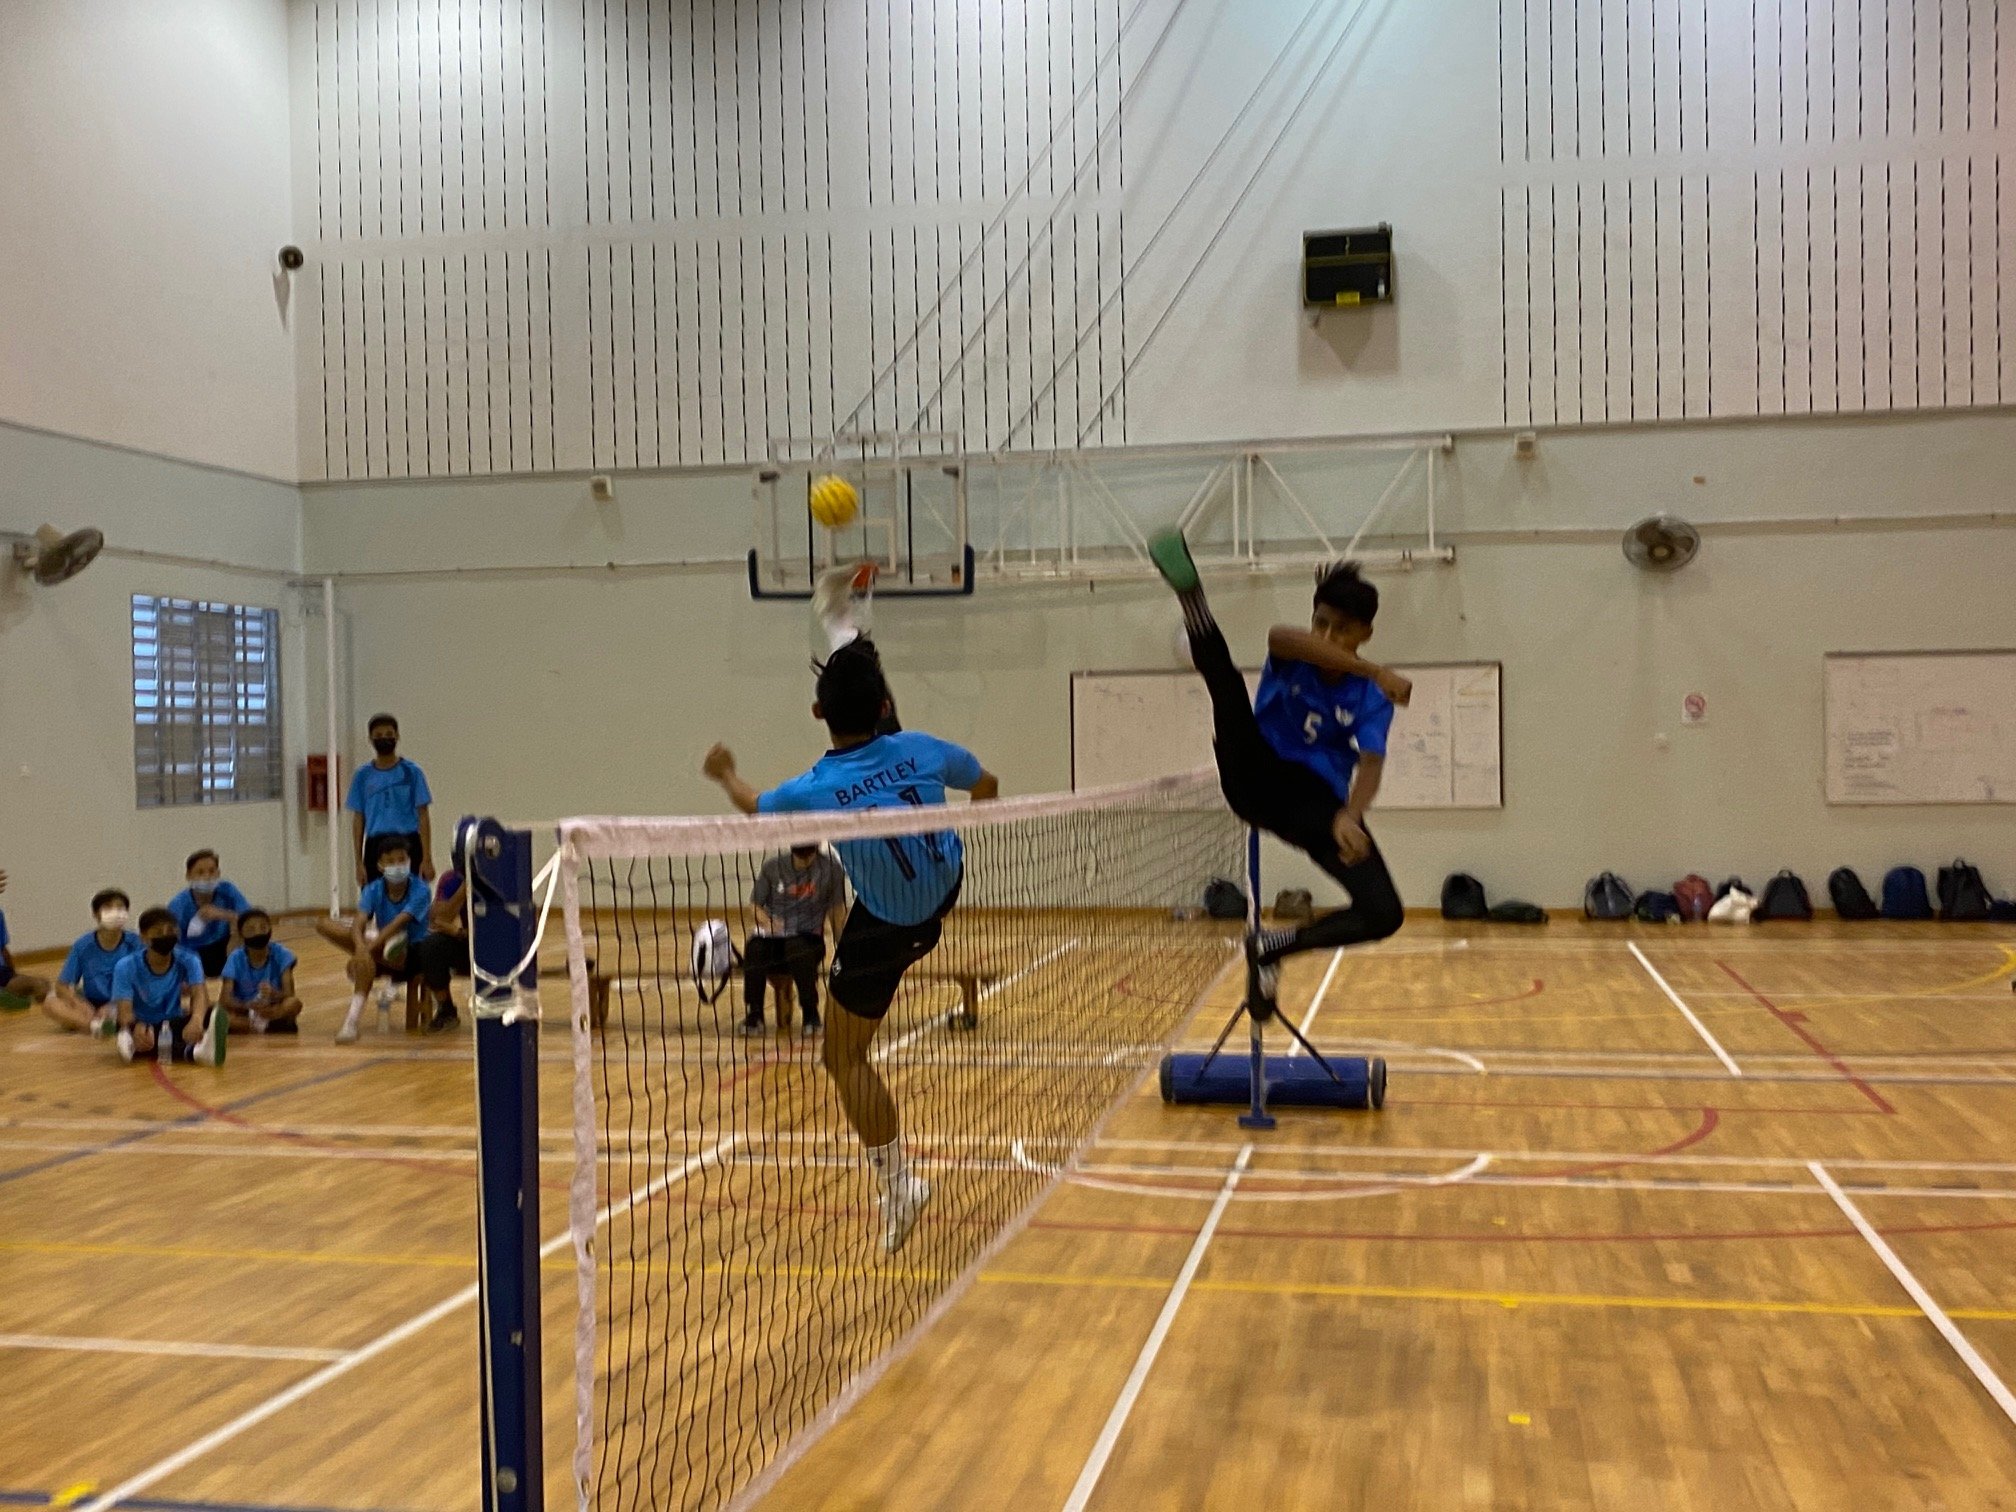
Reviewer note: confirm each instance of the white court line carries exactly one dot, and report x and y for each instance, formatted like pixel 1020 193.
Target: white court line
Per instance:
pixel 1316 1003
pixel 1969 1355
pixel 1674 997
pixel 344 1364
pixel 1123 1408
pixel 165 1347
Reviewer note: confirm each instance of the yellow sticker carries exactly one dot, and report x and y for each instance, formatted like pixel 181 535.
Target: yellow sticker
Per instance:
pixel 1519 1420
pixel 69 1496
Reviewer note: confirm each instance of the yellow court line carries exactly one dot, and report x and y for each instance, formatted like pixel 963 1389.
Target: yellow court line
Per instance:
pixel 1508 1300
pixel 273 1257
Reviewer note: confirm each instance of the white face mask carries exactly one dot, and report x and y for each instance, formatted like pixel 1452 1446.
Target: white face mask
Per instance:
pixel 396 874
pixel 113 918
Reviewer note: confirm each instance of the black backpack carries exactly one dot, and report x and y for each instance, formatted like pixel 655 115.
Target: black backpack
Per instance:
pixel 1224 900
pixel 1729 885
pixel 1851 898
pixel 1608 896
pixel 1904 894
pixel 1463 897
pixel 1785 898
pixel 1658 907
pixel 1963 897
pixel 1511 911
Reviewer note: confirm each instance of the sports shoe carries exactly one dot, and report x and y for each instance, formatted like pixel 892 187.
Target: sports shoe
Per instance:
pixel 750 1026
pixel 841 600
pixel 209 1050
pixel 105 1026
pixel 1171 555
pixel 126 1051
pixel 347 1035
pixel 1266 976
pixel 445 1018
pixel 900 1211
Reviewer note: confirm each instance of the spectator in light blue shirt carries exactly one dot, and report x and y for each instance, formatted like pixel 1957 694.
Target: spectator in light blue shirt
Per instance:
pixel 390 800
pixel 391 919
pixel 258 990
pixel 159 995
pixel 207 910
pixel 83 996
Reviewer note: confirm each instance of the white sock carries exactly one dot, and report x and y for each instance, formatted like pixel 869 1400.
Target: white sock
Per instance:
pixel 892 1168
pixel 356 1008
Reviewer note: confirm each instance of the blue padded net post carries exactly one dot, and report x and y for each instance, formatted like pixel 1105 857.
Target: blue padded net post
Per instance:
pixel 496 866
pixel 1256 1116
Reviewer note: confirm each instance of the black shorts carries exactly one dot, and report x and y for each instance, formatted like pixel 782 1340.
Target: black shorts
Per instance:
pixel 782 955
pixel 213 958
pixel 872 954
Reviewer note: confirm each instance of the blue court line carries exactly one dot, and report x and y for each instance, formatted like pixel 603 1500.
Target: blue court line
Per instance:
pixel 156 1504
pixel 69 1156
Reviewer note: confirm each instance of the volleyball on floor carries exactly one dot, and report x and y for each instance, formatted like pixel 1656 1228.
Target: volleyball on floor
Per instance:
pixel 713 958
pixel 834 501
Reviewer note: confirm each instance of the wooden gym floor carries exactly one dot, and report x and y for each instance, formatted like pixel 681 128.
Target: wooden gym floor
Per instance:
pixel 1578 1261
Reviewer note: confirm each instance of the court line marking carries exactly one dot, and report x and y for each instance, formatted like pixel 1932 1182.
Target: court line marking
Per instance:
pixel 1796 1023
pixel 1507 1300
pixel 1130 1392
pixel 280 1401
pixel 937 1020
pixel 1934 1313
pixel 1688 1013
pixel 1316 1002
pixel 82 1345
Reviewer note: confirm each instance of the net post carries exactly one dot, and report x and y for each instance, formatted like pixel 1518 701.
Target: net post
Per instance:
pixel 1256 1116
pixel 496 866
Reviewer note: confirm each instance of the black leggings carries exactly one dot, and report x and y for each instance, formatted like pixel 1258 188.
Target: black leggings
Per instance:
pixel 1290 800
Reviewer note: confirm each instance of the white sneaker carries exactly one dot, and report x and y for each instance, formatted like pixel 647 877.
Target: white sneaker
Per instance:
pixel 126 1046
pixel 900 1211
pixel 347 1035
pixel 841 600
pixel 209 1050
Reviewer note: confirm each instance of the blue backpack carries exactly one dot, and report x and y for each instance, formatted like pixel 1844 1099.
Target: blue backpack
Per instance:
pixel 1904 894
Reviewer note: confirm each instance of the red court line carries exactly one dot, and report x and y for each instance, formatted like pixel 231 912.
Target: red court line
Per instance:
pixel 1710 1118
pixel 1795 1022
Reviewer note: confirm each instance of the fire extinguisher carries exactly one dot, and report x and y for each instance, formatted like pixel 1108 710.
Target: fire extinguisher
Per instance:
pixel 315 785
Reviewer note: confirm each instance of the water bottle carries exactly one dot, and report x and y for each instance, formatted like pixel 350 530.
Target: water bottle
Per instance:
pixel 164 1042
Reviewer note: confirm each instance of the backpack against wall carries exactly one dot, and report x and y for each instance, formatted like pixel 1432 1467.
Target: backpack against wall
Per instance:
pixel 1963 896
pixel 1904 894
pixel 1851 899
pixel 1695 897
pixel 1785 898
pixel 1608 896
pixel 1463 897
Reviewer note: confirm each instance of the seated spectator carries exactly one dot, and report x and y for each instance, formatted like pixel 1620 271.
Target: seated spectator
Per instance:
pixel 159 994
pixel 207 910
pixel 83 996
pixel 258 989
pixel 391 919
pixel 797 896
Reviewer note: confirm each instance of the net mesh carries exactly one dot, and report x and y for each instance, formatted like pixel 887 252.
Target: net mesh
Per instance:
pixel 734 1283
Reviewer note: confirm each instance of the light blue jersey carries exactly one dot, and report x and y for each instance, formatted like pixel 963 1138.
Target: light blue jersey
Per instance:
pixel 89 966
pixel 389 798
pixel 378 904
pixel 246 979
pixel 903 879
pixel 1324 722
pixel 156 996
pixel 201 934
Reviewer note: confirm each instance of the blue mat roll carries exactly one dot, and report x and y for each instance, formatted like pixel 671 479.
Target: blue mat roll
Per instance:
pixel 1292 1082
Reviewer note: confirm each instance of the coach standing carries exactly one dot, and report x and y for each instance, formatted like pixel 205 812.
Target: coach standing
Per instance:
pixel 389 800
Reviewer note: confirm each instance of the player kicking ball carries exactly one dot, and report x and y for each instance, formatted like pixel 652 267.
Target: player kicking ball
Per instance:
pixel 1303 760
pixel 904 886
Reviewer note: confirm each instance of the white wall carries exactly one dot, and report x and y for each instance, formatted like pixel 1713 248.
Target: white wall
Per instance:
pixel 69 823
pixel 558 236
pixel 545 693
pixel 144 167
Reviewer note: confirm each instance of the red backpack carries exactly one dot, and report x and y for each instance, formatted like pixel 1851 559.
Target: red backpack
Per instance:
pixel 1695 897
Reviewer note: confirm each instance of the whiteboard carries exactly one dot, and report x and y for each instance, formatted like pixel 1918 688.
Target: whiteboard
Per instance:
pixel 1445 750
pixel 1921 727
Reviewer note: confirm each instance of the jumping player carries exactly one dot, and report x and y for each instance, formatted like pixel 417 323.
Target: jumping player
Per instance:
pixel 904 886
pixel 1303 760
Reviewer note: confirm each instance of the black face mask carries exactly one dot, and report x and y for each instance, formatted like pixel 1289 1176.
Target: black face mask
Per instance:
pixel 258 942
pixel 385 745
pixel 161 945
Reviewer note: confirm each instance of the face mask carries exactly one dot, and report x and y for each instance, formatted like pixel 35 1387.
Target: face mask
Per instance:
pixel 203 888
pixel 112 918
pixel 161 944
pixel 397 872
pixel 385 745
pixel 257 942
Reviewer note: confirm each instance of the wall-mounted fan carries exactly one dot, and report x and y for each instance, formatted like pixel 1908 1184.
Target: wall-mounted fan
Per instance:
pixel 1663 543
pixel 53 557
